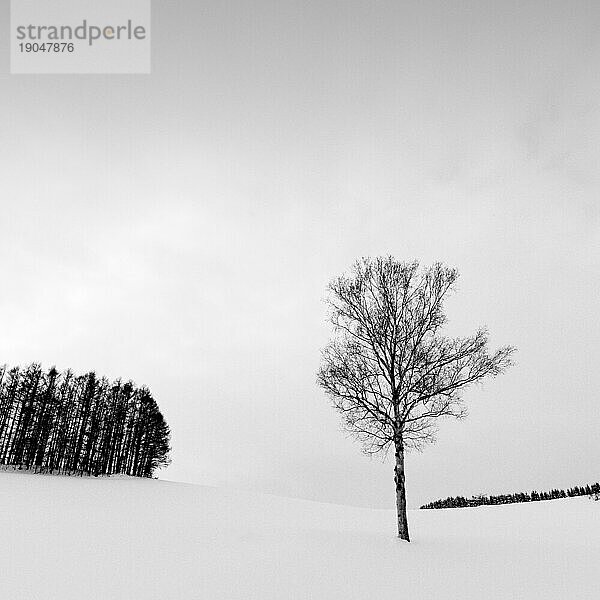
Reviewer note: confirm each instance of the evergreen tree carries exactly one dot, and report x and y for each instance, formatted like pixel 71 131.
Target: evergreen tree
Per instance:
pixel 51 421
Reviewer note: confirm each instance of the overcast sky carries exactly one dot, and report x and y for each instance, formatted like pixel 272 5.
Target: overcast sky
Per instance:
pixel 179 229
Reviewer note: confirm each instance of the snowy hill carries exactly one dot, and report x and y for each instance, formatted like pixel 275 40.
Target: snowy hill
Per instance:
pixel 75 538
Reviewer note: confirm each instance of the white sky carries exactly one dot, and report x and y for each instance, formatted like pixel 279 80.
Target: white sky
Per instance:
pixel 179 229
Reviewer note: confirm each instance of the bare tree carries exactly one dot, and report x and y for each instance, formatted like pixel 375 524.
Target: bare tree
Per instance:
pixel 388 369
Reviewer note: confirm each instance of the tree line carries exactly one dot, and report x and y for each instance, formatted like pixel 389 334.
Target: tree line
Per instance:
pixel 59 422
pixel 534 496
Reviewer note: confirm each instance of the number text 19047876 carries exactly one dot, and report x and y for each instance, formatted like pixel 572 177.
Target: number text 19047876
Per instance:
pixel 47 47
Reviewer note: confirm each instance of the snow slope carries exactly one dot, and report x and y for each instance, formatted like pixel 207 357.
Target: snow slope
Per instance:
pixel 76 538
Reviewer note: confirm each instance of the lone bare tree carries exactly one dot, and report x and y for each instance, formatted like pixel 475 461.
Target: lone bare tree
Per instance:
pixel 389 370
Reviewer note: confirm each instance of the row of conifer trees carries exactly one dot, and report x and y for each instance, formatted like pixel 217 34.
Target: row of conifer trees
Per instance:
pixel 534 496
pixel 62 423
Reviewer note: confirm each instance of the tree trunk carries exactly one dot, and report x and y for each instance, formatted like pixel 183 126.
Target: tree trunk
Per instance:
pixel 401 492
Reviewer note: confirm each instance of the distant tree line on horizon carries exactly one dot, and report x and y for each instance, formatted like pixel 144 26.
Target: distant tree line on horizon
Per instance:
pixel 58 422
pixel 534 496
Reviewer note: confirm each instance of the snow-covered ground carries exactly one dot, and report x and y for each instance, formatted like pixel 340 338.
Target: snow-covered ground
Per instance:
pixel 77 538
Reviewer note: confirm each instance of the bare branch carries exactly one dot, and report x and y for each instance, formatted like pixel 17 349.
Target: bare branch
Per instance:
pixel 389 371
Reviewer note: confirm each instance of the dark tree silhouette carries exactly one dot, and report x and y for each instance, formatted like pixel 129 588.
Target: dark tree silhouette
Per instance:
pixel 534 496
pixel 58 422
pixel 389 370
